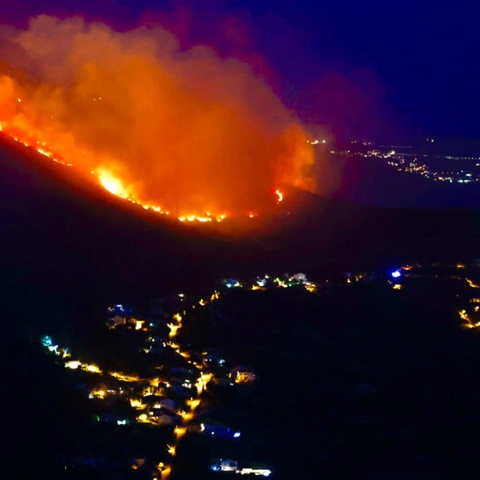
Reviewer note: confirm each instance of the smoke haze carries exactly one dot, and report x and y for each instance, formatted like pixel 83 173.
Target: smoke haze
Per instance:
pixel 187 130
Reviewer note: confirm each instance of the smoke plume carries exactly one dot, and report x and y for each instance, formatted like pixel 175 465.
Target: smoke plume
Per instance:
pixel 189 131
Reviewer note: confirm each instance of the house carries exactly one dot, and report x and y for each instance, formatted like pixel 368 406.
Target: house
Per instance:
pixel 226 465
pixel 162 416
pixel 265 472
pixel 232 466
pixel 138 324
pixel 243 375
pixel 166 403
pixel 166 419
pixel 118 320
pixel 213 359
pixel 148 390
pixel 300 278
pixel 232 283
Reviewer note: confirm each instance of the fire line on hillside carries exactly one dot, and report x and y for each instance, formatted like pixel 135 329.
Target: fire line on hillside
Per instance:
pixel 150 123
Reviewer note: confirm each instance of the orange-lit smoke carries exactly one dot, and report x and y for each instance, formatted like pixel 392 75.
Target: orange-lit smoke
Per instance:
pixel 187 131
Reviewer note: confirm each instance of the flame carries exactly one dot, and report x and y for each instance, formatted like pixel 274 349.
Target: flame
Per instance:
pixel 182 133
pixel 112 184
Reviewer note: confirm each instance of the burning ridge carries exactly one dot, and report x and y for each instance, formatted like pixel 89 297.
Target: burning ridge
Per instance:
pixel 184 133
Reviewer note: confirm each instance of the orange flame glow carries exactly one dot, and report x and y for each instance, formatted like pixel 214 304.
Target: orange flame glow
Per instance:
pixel 112 184
pixel 181 133
pixel 279 195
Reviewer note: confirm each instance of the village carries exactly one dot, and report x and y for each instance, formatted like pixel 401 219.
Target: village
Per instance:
pixel 163 383
pixel 175 377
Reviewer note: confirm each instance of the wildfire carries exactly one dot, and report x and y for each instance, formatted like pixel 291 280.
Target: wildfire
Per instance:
pixel 149 123
pixel 112 184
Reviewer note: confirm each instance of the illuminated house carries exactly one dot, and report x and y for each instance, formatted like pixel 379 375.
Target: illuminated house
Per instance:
pixel 265 472
pixel 138 324
pixel 243 375
pixel 166 419
pixel 225 466
pixel 118 320
pixel 300 278
pixel 232 466
pixel 162 416
pixel 213 359
pixel 232 283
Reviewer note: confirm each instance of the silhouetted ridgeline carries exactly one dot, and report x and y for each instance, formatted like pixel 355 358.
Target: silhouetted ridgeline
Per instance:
pixel 68 244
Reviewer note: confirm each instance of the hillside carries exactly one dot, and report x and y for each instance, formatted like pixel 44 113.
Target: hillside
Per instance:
pixel 67 242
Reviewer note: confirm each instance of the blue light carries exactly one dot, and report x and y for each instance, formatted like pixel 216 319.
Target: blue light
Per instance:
pixel 236 434
pixel 396 274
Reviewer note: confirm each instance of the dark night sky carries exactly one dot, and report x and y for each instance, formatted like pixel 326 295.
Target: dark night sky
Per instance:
pixel 371 68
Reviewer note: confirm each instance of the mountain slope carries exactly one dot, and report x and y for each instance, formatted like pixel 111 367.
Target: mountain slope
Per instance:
pixel 67 243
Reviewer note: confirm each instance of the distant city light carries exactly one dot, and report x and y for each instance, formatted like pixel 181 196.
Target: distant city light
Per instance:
pixel 407 160
pixel 396 274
